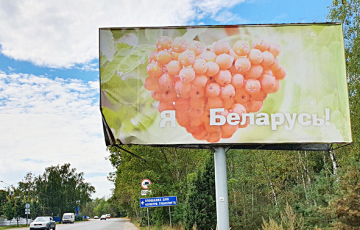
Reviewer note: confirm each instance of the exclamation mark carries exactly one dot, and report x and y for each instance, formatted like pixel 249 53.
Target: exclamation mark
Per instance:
pixel 327 117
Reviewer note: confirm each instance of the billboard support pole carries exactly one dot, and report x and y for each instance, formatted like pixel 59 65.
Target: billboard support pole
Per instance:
pixel 221 192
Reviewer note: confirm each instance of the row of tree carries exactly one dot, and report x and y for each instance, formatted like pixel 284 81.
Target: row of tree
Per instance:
pixel 262 185
pixel 100 206
pixel 267 189
pixel 58 190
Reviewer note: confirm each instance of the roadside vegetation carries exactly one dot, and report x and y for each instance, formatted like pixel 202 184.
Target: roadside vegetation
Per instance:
pixel 13 226
pixel 58 190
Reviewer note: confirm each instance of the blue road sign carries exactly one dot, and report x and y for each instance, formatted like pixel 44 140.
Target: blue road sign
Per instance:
pixel 158 201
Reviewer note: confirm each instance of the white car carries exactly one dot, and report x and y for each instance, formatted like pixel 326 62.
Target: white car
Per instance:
pixel 103 217
pixel 43 222
pixel 68 218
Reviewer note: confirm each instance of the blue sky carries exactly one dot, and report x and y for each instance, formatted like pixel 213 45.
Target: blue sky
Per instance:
pixel 49 90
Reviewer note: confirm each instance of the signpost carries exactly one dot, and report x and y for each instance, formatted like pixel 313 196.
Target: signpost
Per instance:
pixel 158 202
pixel 27 211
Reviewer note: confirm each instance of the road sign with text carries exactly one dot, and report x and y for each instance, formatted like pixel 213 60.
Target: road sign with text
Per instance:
pixel 158 202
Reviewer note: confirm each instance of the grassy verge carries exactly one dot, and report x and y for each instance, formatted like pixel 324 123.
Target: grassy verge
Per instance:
pixel 136 222
pixel 166 227
pixel 13 226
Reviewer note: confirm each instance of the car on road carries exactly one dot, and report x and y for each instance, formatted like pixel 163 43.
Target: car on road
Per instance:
pixel 103 217
pixel 68 218
pixel 108 216
pixel 43 222
pixel 96 217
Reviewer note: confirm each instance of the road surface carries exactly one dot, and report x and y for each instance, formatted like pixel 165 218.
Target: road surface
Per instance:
pixel 109 224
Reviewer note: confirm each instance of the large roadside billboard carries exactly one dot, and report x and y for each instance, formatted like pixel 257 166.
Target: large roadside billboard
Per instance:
pixel 228 85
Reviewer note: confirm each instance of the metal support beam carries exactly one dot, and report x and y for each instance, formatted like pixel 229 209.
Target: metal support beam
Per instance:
pixel 222 203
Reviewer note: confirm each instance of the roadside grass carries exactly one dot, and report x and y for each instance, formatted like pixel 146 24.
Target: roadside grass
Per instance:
pixel 165 227
pixel 14 226
pixel 136 222
pixel 21 226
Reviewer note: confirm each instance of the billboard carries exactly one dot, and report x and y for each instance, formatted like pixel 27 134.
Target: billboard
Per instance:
pixel 228 85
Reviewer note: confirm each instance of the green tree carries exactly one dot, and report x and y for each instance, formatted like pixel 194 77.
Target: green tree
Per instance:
pixel 167 168
pixel 200 205
pixel 102 207
pixel 348 12
pixel 10 210
pixel 88 208
pixel 61 189
pixel 98 207
pixel 345 208
pixel 345 203
pixel 289 221
pixel 3 200
pixel 14 206
pixel 26 188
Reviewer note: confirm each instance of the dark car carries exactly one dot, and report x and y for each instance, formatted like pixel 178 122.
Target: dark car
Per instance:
pixel 43 222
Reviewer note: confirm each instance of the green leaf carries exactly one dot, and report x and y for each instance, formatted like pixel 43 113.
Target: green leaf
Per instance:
pixel 118 33
pixel 152 34
pixel 103 60
pixel 131 104
pixel 108 70
pixel 125 61
pixel 119 91
pixel 137 56
pixel 126 47
pixel 192 33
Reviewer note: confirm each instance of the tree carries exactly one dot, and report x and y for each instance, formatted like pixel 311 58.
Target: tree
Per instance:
pixel 346 207
pixel 10 210
pixel 27 193
pixel 289 221
pixel 200 206
pixel 61 189
pixel 167 168
pixel 102 207
pixel 3 201
pixel 348 12
pixel 346 204
pixel 14 206
pixel 27 188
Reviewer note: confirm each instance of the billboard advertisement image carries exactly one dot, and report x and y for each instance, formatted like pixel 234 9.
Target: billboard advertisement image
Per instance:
pixel 232 85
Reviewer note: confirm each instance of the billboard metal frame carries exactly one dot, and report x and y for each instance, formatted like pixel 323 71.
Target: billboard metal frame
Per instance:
pixel 220 149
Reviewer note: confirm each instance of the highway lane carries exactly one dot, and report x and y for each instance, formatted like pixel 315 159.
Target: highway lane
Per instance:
pixel 109 224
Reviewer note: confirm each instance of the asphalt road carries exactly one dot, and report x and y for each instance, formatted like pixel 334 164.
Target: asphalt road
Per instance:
pixel 109 224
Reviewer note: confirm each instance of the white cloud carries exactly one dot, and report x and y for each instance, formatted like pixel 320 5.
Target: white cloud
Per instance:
pixel 65 33
pixel 48 122
pixel 89 67
pixel 214 6
pixel 228 17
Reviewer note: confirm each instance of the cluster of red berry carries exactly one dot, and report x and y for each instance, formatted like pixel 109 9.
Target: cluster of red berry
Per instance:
pixel 191 80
